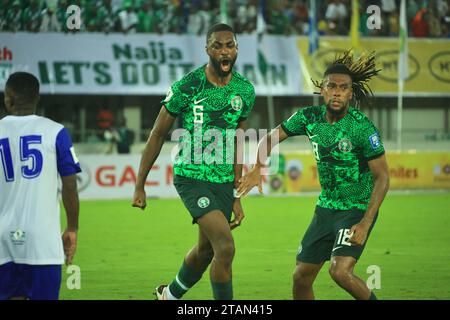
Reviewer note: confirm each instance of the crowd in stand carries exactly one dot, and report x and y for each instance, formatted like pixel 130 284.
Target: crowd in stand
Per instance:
pixel 426 18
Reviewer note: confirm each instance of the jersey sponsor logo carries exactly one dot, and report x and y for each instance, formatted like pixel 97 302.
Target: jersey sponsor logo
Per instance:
pixel 345 145
pixel 203 202
pixel 236 103
pixel 168 95
pixel 198 101
pixel 18 237
pixel 374 141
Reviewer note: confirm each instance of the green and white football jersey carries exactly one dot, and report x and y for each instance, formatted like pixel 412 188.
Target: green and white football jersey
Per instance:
pixel 210 116
pixel 342 151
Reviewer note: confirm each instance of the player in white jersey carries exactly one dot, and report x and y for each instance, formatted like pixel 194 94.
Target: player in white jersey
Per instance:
pixel 34 151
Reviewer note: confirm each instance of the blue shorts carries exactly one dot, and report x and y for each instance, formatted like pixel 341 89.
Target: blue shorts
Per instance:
pixel 35 282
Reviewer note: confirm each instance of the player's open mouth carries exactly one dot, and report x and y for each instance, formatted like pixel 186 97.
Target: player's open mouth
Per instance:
pixel 225 64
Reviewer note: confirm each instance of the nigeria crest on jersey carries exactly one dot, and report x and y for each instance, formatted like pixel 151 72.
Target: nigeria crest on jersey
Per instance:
pixel 236 103
pixel 345 145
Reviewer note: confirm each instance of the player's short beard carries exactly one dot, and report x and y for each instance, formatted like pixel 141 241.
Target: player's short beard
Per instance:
pixel 335 112
pixel 218 70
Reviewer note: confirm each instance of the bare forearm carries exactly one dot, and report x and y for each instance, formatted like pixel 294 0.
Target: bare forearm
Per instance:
pixel 265 146
pixel 237 173
pixel 238 160
pixel 71 202
pixel 149 156
pixel 381 186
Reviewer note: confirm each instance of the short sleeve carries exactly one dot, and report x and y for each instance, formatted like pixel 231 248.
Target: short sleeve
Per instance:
pixel 66 158
pixel 296 124
pixel 372 145
pixel 249 102
pixel 175 100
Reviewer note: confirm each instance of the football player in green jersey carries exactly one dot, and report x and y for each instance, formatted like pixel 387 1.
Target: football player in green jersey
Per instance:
pixel 213 101
pixel 353 174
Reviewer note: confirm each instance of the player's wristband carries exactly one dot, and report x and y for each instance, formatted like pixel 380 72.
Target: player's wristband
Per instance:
pixel 235 194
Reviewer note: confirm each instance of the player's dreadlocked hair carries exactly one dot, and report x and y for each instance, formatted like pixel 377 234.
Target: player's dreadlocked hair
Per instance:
pixel 361 70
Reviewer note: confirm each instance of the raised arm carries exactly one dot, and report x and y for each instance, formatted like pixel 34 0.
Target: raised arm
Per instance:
pixel 265 146
pixel 151 152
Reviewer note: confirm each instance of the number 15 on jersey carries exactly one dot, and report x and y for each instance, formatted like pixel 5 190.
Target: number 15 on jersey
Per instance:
pixel 29 171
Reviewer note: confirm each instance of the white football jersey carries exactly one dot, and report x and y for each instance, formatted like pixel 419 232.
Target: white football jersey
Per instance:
pixel 33 152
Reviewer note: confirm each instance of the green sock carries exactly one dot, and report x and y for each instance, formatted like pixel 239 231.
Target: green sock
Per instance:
pixel 184 280
pixel 222 291
pixel 372 296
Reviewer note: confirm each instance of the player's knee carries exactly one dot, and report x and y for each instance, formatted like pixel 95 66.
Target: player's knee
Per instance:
pixel 340 274
pixel 225 252
pixel 302 278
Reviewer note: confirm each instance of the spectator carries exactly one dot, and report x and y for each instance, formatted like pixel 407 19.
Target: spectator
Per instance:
pixel 111 136
pixel 107 17
pixel 394 24
pixel 177 21
pixel 434 21
pixel 14 18
pixel 388 11
pixel 125 138
pixel 164 13
pixel 50 22
pixel 420 24
pixel 105 119
pixel 205 14
pixel 194 17
pixel 442 8
pixel 145 19
pixel 196 23
pixel 278 22
pixel 128 18
pixel 300 17
pixel 412 7
pixel 32 17
pixel 91 17
pixel 336 16
pixel 61 14
pixel 246 17
pixel 4 8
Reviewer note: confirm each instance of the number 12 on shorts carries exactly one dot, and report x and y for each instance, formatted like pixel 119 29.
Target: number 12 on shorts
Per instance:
pixel 344 237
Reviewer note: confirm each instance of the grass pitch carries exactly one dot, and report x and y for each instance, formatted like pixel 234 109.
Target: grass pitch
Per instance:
pixel 124 253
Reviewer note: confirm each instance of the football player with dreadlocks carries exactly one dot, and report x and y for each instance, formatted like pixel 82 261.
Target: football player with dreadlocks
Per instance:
pixel 353 174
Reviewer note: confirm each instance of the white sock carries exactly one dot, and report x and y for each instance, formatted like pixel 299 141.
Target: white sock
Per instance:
pixel 169 294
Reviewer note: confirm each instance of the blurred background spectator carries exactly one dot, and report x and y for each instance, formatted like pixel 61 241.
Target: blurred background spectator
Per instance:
pixel 427 18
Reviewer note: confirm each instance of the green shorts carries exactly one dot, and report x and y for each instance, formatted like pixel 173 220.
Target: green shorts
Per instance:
pixel 201 197
pixel 327 235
